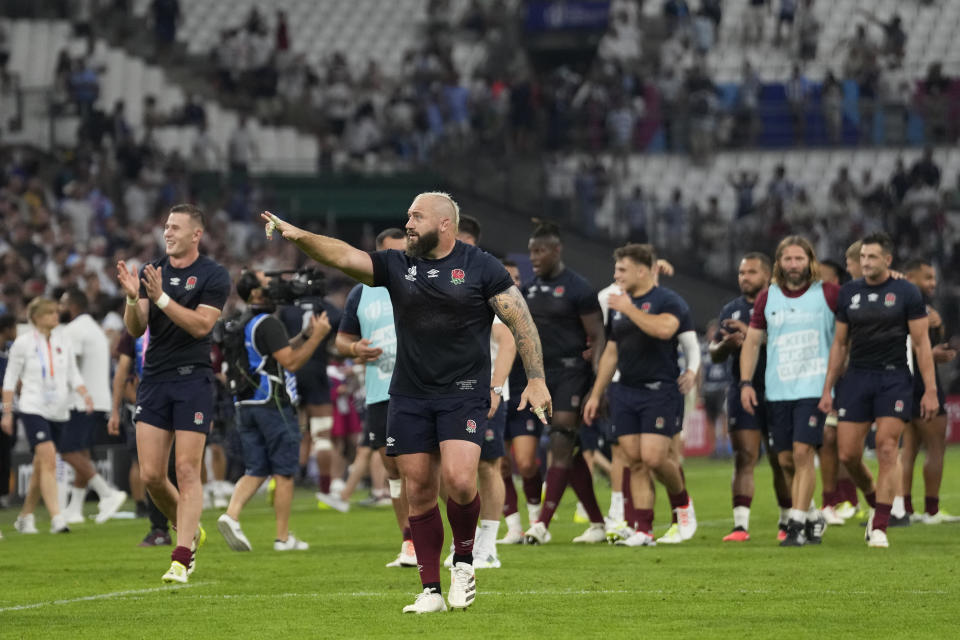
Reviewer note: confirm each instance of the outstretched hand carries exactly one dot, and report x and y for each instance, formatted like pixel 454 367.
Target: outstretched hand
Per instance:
pixel 286 230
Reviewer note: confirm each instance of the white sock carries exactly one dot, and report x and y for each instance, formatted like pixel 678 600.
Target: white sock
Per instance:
pixel 898 510
pixel 98 484
pixel 784 516
pixel 77 497
pixel 513 522
pixel 812 514
pixel 813 505
pixel 798 515
pixel 741 518
pixel 488 535
pixel 616 506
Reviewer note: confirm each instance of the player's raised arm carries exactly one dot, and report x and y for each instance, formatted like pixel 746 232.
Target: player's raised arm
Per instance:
pixel 324 249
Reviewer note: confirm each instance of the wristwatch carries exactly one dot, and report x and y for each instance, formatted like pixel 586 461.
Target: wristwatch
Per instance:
pixel 497 390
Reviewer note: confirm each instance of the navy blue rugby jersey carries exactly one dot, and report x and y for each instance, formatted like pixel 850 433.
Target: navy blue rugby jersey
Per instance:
pixel 442 318
pixel 741 309
pixel 172 353
pixel 878 316
pixel 556 305
pixel 641 358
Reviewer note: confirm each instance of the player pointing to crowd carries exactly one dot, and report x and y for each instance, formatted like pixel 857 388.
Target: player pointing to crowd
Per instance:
pixel 444 294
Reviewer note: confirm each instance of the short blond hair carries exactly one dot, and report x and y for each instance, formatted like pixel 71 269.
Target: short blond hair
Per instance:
pixel 453 204
pixel 39 305
pixel 853 251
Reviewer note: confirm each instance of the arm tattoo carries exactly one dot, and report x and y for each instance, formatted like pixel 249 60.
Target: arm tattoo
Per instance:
pixel 512 309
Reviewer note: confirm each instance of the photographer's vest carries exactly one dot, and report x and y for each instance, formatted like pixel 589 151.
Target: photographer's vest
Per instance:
pixel 799 334
pixel 375 313
pixel 258 364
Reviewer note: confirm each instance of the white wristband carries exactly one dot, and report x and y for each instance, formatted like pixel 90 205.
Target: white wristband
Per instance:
pixel 163 301
pixel 132 302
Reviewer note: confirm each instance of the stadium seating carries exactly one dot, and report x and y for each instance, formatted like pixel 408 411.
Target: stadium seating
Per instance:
pixel 930 33
pixel 35 45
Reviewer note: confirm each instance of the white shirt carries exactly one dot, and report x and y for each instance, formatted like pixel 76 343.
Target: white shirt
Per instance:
pixel 603 296
pixel 46 389
pixel 494 350
pixel 92 352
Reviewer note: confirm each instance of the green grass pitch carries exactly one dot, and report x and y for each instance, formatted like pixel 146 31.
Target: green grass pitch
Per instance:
pixel 96 583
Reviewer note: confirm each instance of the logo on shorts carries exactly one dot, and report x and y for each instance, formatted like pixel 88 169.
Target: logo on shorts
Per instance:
pixel 488 436
pixel 139 409
pixel 658 423
pixel 198 418
pixel 574 401
pixel 41 435
pixel 471 426
pixel 530 425
pixel 371 437
pixel 898 406
pixel 457 276
pixel 390 441
pixel 645 307
pixel 812 422
pixel 191 283
pixel 841 413
pixel 889 300
pixel 558 292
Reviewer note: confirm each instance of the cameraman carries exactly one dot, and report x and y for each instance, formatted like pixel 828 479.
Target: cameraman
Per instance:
pixel 313 385
pixel 268 427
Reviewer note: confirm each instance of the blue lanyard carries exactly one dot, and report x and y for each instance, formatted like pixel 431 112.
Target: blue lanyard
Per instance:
pixel 49 349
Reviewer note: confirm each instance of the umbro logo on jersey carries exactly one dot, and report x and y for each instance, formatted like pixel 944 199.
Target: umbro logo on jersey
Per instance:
pixel 174 282
pixel 411 273
pixel 872 297
pixel 433 273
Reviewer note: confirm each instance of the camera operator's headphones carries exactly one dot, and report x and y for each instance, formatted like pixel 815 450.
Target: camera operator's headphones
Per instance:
pixel 246 283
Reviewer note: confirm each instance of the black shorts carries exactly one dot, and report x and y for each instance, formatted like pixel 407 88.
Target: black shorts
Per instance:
pixel 713 403
pixel 39 429
pixel 520 423
pixel 865 395
pixel 919 388
pixel 738 418
pixel 375 425
pixel 419 425
pixel 183 405
pixel 568 387
pixel 598 436
pixel 78 432
pixel 642 410
pixel 795 421
pixel 492 446
pixel 313 388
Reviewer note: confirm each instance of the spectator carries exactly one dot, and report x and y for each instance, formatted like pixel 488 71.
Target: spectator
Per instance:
pixel 84 87
pixel 78 210
pixel 899 182
pixel 895 38
pixel 925 171
pixel 780 190
pixel 895 93
pixel 831 98
pixel 4 56
pixel 808 31
pixel 788 11
pixel 747 122
pixel 743 185
pixel 166 16
pixel 620 126
pixel 933 100
pixel 283 33
pixel 798 95
pixel 205 154
pixel 193 113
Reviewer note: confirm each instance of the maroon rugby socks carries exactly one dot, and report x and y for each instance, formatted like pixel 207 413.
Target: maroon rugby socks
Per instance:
pixel 427 531
pixel 463 524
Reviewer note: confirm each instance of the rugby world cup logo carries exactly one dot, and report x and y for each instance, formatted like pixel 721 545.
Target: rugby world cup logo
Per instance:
pixel 457 276
pixel 471 426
